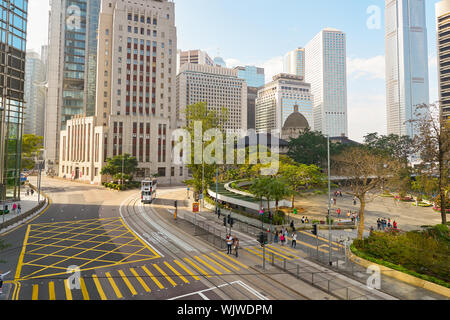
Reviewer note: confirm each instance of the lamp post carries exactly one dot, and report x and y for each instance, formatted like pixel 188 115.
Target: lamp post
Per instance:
pixel 329 198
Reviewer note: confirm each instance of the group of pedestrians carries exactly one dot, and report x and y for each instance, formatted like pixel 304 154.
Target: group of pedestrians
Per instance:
pixel 382 224
pixel 305 219
pixel 283 237
pixel 232 243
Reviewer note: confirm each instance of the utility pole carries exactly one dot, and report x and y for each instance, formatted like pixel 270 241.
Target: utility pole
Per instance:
pixel 217 187
pixel 123 160
pixel 329 199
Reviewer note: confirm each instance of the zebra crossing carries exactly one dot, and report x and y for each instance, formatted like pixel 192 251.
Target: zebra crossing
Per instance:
pixel 130 282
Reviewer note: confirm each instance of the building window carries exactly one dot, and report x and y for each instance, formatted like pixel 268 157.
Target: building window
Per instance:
pixel 162 172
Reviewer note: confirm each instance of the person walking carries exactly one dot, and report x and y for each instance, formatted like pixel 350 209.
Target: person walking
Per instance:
pixel 282 238
pixel 338 211
pixel 378 224
pixel 294 240
pixel 14 207
pixel 229 241
pixel 292 226
pixel 236 246
pixel 303 219
pixel 334 201
pixel 395 225
pixel 32 191
pixel 19 209
pixel 389 223
pixel 2 276
pixel 354 201
pixel 275 238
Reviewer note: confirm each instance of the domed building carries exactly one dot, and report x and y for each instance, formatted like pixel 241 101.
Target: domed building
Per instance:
pixel 295 124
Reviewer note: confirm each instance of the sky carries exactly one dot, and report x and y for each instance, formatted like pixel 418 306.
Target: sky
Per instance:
pixel 261 32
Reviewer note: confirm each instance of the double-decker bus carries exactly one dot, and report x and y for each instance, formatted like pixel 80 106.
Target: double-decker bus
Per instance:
pixel 148 190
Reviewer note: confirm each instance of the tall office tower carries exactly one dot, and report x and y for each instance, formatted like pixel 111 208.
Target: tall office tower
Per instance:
pixel 34 94
pixel 255 78
pixel 13 29
pixel 294 62
pixel 135 108
pixel 219 62
pixel 443 33
pixel 218 87
pixel 279 99
pixel 72 72
pixel 406 63
pixel 326 71
pixel 194 57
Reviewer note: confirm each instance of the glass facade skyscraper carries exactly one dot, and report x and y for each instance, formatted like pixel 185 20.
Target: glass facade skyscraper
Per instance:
pixel 13 28
pixel 406 63
pixel 294 62
pixel 73 71
pixel 254 76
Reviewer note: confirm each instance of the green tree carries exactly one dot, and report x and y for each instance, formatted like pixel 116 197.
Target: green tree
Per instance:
pixel 311 148
pixel 400 147
pixel 278 189
pixel 31 146
pixel 209 119
pixel 259 189
pixel 113 166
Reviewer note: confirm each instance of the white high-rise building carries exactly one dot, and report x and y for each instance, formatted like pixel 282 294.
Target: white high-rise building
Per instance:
pixel 443 31
pixel 326 71
pixel 218 87
pixel 407 83
pixel 294 62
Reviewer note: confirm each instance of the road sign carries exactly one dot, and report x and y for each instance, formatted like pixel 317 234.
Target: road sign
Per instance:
pixel 195 207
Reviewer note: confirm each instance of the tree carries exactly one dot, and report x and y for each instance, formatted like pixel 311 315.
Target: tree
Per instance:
pixel 400 147
pixel 432 144
pixel 365 171
pixel 278 190
pixel 209 119
pixel 114 166
pixel 259 189
pixel 31 145
pixel 311 148
pixel 302 177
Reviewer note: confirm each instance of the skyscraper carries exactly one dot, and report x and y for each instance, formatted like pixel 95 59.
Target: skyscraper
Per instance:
pixel 13 29
pixel 72 51
pixel 326 71
pixel 255 79
pixel 443 43
pixel 135 107
pixel 193 56
pixel 406 63
pixel 294 62
pixel 34 94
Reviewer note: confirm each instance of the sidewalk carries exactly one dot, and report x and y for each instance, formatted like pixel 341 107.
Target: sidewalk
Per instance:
pixel 390 285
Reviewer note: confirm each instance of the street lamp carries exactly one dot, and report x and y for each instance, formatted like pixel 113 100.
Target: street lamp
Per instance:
pixel 329 197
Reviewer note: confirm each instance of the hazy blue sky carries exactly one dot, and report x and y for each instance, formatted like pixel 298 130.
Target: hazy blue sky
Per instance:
pixel 260 32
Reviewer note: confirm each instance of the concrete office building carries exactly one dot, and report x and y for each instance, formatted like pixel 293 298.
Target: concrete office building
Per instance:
pixel 34 94
pixel 13 30
pixel 135 107
pixel 406 63
pixel 326 71
pixel 218 87
pixel 443 43
pixel 279 99
pixel 294 62
pixel 72 50
pixel 255 79
pixel 194 57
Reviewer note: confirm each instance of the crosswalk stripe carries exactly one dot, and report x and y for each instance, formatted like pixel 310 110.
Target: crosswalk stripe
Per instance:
pixel 143 284
pixel 51 290
pixel 226 262
pixel 186 269
pixel 67 288
pixel 127 282
pixel 197 267
pixel 176 272
pixel 165 275
pixel 35 292
pixel 311 246
pixel 313 236
pixel 234 260
pixel 208 265
pixel 277 253
pixel 152 277
pixel 254 252
pixel 99 287
pixel 226 270
pixel 84 290
pixel 113 285
pixel 286 250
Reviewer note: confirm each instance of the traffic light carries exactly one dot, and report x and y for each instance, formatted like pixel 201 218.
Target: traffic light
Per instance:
pixel 262 238
pixel 229 219
pixel 176 204
pixel 314 230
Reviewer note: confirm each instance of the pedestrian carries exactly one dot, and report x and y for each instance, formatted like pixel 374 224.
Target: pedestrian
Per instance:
pixel 292 226
pixel 32 191
pixel 282 239
pixel 306 220
pixel 14 207
pixel 236 246
pixel 275 238
pixel 348 214
pixel 218 213
pixel 2 276
pixel 389 223
pixel 19 209
pixel 378 224
pixel 334 201
pixel 303 219
pixel 294 240
pixel 340 194
pixel 354 201
pixel 338 211
pixel 229 241
pixel 395 225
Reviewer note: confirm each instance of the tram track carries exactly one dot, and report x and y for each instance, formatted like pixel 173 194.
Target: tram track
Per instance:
pixel 262 283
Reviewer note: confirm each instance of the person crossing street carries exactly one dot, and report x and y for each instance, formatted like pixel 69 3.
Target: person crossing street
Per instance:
pixel 229 241
pixel 2 276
